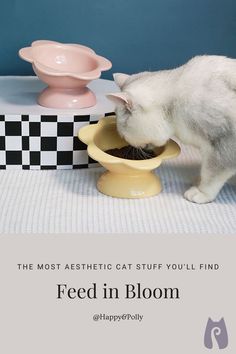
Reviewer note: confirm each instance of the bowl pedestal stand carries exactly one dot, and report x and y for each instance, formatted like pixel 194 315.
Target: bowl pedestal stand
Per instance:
pixel 139 185
pixel 80 97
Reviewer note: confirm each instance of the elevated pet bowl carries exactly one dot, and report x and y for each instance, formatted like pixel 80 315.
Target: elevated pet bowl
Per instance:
pixel 124 178
pixel 66 69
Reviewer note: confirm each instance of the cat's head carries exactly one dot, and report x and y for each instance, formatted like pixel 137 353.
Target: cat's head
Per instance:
pixel 140 121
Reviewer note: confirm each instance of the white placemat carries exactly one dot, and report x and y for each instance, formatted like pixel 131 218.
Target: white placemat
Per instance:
pixel 68 202
pixel 18 95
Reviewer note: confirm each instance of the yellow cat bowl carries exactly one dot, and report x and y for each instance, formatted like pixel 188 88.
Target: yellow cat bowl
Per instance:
pixel 124 178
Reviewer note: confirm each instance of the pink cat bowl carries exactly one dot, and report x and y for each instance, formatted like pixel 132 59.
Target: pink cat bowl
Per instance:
pixel 66 69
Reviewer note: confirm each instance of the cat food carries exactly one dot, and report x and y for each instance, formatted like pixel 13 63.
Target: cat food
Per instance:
pixel 132 153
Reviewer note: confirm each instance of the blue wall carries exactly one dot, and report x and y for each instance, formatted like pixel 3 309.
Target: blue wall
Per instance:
pixel 135 35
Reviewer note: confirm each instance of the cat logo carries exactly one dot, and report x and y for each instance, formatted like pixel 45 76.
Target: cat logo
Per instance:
pixel 218 330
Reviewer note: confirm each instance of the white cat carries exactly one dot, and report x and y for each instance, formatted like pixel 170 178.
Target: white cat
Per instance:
pixel 196 103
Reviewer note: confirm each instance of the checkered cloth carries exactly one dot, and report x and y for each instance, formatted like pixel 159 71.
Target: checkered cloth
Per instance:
pixel 43 142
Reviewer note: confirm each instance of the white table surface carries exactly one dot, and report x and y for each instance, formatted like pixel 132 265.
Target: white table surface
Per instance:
pixel 18 95
pixel 68 202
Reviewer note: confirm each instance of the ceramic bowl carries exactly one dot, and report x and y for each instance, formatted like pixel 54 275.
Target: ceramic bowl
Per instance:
pixel 124 178
pixel 66 69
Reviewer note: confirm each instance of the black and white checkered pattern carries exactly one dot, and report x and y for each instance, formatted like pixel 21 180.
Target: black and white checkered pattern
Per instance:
pixel 43 142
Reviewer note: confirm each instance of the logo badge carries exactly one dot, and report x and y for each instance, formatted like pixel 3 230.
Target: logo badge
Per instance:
pixel 216 331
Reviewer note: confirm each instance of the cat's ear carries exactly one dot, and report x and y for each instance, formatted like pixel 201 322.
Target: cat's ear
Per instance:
pixel 121 99
pixel 120 79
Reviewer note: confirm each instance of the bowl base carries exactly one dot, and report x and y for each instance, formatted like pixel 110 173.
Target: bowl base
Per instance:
pixel 129 186
pixel 66 98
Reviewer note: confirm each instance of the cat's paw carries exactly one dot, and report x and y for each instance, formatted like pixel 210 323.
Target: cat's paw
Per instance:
pixel 194 195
